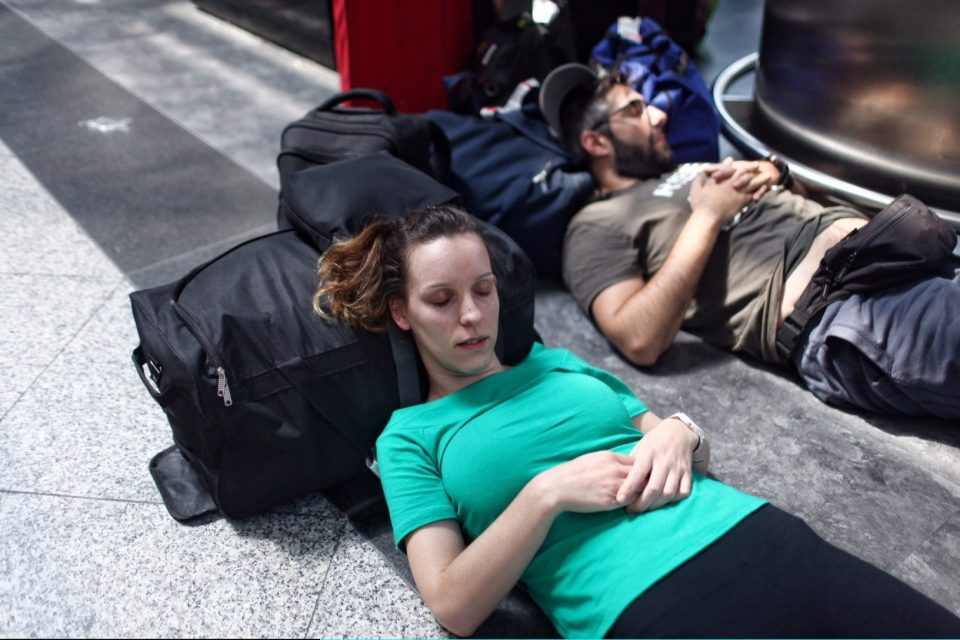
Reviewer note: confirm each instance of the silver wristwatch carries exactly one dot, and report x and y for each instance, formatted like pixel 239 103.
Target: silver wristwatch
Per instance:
pixel 685 419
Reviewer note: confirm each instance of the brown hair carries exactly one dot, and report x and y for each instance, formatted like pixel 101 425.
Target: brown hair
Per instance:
pixel 359 275
pixel 586 108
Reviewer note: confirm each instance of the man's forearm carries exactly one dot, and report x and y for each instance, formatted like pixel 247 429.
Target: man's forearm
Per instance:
pixel 647 322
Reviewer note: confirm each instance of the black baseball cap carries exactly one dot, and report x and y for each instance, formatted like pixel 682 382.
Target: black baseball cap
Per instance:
pixel 557 86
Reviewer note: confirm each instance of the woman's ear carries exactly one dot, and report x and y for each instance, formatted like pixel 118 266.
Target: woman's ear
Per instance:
pixel 398 311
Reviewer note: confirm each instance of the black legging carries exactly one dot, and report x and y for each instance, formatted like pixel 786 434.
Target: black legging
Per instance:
pixel 772 576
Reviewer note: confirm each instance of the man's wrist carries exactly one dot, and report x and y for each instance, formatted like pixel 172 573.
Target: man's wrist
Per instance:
pixel 705 217
pixel 784 178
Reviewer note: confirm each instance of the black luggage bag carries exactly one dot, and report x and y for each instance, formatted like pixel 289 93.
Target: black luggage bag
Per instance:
pixel 332 132
pixel 253 383
pixel 266 401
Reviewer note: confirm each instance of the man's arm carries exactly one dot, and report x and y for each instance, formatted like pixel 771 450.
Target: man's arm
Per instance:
pixel 641 318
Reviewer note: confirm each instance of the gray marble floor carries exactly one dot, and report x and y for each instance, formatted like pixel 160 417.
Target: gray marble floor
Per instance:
pixel 86 546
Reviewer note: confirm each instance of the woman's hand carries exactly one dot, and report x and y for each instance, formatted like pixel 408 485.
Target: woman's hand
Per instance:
pixel 588 483
pixel 462 584
pixel 662 471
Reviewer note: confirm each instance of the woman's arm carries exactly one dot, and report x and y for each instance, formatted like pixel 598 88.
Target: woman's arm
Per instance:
pixel 663 463
pixel 648 421
pixel 462 584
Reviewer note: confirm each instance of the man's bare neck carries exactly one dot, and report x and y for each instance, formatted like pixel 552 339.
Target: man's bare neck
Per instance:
pixel 614 182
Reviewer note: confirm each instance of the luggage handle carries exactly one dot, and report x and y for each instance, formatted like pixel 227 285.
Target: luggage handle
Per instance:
pixel 360 94
pixel 140 363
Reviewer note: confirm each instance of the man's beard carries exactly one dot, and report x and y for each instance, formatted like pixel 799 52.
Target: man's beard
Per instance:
pixel 641 161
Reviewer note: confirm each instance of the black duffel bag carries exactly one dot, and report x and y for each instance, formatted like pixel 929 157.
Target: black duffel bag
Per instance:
pixel 256 388
pixel 266 401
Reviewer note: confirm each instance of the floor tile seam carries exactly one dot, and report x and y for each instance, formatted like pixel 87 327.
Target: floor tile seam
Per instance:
pixel 137 95
pixel 66 343
pixel 909 554
pixel 43 370
pixel 68 276
pixel 70 496
pixel 326 575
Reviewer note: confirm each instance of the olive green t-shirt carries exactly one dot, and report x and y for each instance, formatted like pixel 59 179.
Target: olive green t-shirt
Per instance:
pixel 737 302
pixel 467 455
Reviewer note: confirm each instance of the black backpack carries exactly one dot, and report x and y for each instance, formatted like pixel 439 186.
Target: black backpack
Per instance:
pixel 332 132
pixel 252 381
pixel 507 53
pixel 267 402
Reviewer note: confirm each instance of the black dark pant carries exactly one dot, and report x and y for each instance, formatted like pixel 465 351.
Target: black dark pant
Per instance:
pixel 772 576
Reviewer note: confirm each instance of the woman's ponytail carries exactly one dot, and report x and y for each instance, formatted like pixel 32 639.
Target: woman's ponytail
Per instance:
pixel 359 275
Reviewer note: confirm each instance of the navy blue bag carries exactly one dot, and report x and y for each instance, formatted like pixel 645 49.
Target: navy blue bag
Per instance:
pixel 511 172
pixel 661 71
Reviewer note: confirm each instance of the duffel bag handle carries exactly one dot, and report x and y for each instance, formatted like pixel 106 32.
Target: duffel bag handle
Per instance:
pixel 140 363
pixel 360 94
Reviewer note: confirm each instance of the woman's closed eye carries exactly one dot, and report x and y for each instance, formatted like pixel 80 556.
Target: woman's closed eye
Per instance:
pixel 485 287
pixel 439 301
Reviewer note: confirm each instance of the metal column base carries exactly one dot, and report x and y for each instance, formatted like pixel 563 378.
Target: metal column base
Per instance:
pixel 745 128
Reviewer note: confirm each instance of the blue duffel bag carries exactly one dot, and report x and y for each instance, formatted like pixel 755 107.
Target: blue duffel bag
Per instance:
pixel 661 71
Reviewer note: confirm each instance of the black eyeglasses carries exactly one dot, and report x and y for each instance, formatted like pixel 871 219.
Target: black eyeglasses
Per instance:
pixel 633 109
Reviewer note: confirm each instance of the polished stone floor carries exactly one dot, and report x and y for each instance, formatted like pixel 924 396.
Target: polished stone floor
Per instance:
pixel 138 138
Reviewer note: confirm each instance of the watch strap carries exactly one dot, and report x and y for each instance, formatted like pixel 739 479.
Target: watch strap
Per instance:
pixel 785 180
pixel 685 419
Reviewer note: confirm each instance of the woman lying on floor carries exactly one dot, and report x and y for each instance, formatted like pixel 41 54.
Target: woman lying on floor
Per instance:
pixel 554 474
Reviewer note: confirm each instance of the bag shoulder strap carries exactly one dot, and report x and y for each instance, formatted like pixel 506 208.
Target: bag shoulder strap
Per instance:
pixel 405 361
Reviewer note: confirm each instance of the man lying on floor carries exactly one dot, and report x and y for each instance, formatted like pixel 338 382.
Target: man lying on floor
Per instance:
pixel 728 253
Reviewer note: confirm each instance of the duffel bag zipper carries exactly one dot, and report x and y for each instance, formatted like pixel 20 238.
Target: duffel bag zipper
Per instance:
pixel 318 157
pixel 223 388
pixel 864 241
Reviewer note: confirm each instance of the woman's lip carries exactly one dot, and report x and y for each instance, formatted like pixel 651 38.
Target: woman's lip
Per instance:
pixel 472 343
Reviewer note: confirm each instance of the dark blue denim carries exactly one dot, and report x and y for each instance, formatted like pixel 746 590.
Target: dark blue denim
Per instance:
pixel 892 351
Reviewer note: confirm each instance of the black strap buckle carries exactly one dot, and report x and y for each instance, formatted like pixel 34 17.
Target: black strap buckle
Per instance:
pixel 789 334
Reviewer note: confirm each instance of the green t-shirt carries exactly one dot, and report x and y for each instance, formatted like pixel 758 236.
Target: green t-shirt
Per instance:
pixel 467 455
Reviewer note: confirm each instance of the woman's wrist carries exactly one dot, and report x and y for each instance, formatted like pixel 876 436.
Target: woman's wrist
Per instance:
pixel 701 438
pixel 541 491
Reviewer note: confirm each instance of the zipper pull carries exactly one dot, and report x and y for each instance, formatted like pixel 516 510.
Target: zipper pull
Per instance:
pixel 846 266
pixel 826 283
pixel 223 390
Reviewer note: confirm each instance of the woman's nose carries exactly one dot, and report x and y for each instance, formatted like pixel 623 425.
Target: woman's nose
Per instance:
pixel 469 312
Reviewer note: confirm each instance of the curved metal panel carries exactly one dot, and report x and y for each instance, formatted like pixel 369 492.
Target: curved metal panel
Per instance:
pixel 828 187
pixel 874 84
